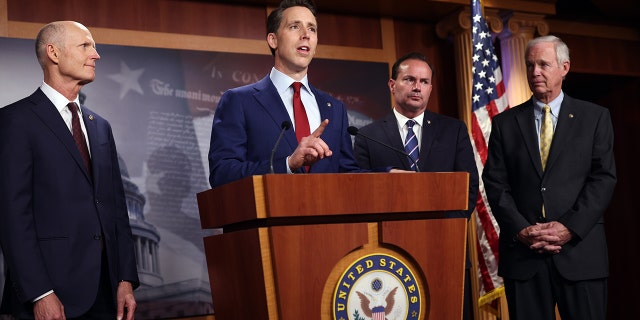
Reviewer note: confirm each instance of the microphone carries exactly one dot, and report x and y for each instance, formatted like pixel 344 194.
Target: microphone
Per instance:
pixel 285 125
pixel 355 132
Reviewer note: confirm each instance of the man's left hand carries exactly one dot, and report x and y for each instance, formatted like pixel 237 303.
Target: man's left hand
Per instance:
pixel 125 300
pixel 550 237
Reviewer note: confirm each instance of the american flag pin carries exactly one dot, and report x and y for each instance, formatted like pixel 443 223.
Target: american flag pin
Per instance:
pixel 91 117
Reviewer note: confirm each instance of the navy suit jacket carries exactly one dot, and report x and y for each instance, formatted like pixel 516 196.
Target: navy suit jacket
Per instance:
pixel 54 218
pixel 445 147
pixel 576 187
pixel 247 124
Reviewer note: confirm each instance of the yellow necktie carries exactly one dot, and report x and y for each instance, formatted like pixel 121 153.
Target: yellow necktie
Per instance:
pixel 546 135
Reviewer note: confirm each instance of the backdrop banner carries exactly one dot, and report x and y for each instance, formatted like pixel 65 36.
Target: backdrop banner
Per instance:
pixel 160 103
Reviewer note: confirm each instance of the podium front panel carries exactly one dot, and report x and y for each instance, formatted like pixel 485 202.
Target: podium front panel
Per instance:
pixel 290 243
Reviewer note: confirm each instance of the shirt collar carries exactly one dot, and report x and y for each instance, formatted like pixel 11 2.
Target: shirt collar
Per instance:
pixel 58 100
pixel 554 104
pixel 282 82
pixel 402 120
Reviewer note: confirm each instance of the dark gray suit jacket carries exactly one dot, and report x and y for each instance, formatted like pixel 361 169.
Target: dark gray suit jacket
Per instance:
pixel 576 187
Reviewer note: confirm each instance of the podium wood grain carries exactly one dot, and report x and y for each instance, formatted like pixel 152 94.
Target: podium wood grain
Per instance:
pixel 287 236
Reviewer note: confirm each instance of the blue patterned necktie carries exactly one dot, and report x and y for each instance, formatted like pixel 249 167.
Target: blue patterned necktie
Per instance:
pixel 411 144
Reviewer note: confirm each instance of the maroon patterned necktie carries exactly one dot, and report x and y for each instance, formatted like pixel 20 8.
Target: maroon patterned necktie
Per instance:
pixel 78 136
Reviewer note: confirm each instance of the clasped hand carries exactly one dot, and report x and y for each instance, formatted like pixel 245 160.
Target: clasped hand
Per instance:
pixel 311 149
pixel 546 237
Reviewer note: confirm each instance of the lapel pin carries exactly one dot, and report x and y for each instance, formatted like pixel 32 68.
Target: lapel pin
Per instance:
pixel 570 115
pixel 91 117
pixel 329 104
pixel 428 121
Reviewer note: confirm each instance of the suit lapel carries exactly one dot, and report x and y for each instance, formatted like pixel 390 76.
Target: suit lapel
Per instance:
pixel 527 124
pixel 325 106
pixel 94 140
pixel 330 136
pixel 429 132
pixel 392 134
pixel 564 129
pixel 268 97
pixel 47 112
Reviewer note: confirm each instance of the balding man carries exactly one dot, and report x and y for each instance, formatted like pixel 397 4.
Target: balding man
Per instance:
pixel 64 226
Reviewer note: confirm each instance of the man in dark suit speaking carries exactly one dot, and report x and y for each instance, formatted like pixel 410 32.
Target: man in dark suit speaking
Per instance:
pixel 249 119
pixel 64 226
pixel 549 177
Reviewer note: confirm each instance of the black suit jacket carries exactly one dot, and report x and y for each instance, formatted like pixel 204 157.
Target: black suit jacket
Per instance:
pixel 445 147
pixel 54 218
pixel 576 186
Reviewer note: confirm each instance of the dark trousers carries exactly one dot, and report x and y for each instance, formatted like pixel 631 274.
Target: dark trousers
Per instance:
pixel 467 310
pixel 104 308
pixel 536 298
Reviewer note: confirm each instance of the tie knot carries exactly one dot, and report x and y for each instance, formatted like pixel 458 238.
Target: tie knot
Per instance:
pixel 546 108
pixel 410 124
pixel 72 107
pixel 296 86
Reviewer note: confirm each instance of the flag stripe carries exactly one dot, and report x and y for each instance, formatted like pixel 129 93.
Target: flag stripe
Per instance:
pixel 483 271
pixel 488 99
pixel 481 144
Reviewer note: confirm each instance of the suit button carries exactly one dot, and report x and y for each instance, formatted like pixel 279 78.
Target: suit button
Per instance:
pixel 543 189
pixel 97 237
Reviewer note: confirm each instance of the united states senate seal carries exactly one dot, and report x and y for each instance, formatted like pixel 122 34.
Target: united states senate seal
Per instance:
pixel 377 286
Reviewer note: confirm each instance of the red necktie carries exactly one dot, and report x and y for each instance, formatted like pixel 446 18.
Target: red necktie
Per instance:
pixel 300 115
pixel 78 136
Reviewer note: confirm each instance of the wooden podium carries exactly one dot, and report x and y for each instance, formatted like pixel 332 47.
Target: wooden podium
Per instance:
pixel 296 246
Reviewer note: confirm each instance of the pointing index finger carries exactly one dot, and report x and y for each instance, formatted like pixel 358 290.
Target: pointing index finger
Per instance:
pixel 318 132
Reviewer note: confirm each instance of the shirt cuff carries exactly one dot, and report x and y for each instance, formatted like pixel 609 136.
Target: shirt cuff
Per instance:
pixel 286 164
pixel 42 296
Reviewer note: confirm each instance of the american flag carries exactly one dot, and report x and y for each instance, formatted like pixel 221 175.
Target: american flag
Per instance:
pixel 488 99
